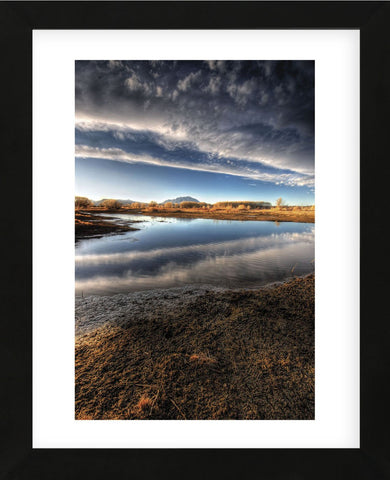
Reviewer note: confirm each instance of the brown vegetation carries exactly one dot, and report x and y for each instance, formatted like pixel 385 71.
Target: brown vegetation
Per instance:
pixel 279 202
pixel 111 204
pixel 88 225
pixel 82 202
pixel 239 205
pixel 219 211
pixel 186 205
pixel 241 212
pixel 224 355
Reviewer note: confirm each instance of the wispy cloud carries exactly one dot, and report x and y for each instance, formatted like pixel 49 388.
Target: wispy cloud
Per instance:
pixel 249 119
pixel 216 165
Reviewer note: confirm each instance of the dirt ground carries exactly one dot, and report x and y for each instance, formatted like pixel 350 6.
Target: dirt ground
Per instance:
pixel 243 354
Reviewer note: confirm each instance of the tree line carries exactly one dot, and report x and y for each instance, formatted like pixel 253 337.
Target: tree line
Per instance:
pixel 112 204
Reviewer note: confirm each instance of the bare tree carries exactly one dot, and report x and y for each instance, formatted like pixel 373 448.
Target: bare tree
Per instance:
pixel 279 202
pixel 82 202
pixel 111 204
pixel 187 204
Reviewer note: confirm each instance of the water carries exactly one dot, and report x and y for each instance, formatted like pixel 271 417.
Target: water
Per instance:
pixel 173 252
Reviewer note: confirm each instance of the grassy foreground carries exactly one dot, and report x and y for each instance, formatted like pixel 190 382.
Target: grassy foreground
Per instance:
pixel 245 354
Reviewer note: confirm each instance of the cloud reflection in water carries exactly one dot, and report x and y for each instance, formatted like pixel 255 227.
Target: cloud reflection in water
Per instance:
pixel 243 262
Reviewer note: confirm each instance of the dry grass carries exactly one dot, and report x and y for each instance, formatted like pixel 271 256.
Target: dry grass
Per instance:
pixel 227 211
pixel 230 355
pixel 274 214
pixel 202 358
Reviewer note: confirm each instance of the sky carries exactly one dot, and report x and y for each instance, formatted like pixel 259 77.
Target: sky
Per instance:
pixel 213 130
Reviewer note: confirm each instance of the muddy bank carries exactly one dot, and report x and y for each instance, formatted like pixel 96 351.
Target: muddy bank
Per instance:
pixel 89 225
pixel 197 353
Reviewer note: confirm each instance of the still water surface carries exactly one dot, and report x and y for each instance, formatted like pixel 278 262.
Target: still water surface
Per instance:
pixel 173 252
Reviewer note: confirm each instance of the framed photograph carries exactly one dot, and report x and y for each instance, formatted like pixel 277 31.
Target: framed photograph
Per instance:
pixel 202 184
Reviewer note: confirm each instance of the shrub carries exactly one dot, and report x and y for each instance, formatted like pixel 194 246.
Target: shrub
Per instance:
pixel 82 202
pixel 110 203
pixel 249 205
pixel 189 205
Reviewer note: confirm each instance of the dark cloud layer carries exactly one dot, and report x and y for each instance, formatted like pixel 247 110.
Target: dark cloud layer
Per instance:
pixel 246 118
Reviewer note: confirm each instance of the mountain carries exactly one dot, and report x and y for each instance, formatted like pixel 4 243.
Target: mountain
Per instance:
pixel 180 199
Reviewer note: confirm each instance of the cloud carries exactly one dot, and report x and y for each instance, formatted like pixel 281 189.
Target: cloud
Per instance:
pixel 214 85
pixel 187 82
pixel 180 157
pixel 234 247
pixel 237 113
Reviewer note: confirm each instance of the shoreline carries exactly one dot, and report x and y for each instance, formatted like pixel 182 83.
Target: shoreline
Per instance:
pixel 93 225
pixel 285 214
pixel 90 224
pixel 86 324
pixel 259 217
pixel 197 353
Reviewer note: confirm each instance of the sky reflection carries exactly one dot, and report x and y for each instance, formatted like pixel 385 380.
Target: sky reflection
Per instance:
pixel 172 254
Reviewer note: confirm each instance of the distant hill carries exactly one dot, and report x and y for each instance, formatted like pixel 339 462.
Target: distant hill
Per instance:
pixel 123 202
pixel 180 199
pixel 128 201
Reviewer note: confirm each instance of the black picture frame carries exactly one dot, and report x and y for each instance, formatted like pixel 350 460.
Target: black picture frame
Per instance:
pixel 17 458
